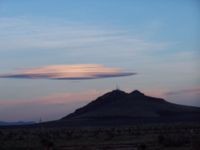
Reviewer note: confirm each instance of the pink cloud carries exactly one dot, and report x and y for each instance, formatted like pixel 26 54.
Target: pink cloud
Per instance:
pixel 69 72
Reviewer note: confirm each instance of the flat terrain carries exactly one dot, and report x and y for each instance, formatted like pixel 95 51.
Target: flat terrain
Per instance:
pixel 138 137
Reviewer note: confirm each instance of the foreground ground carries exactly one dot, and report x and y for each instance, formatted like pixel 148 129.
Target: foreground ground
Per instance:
pixel 137 137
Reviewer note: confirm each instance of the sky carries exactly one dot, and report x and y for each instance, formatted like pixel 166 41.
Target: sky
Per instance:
pixel 58 55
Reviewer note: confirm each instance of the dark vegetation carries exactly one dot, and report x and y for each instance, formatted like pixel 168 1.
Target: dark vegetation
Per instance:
pixel 138 137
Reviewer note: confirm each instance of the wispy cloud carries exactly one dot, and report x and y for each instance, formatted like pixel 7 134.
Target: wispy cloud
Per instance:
pixel 62 98
pixel 22 33
pixel 189 96
pixel 192 91
pixel 69 72
pixel 49 107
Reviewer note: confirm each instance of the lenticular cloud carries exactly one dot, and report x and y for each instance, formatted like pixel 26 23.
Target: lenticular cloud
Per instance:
pixel 69 72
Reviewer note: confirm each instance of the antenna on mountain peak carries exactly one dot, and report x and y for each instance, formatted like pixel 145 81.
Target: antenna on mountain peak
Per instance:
pixel 117 87
pixel 40 121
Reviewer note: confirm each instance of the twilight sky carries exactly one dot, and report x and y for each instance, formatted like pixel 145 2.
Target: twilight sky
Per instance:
pixel 57 55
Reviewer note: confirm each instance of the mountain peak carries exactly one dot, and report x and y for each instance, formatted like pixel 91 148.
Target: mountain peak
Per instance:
pixel 115 94
pixel 137 93
pixel 117 91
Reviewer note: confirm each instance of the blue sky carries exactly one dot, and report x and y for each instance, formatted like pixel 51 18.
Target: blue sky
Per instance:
pixel 156 39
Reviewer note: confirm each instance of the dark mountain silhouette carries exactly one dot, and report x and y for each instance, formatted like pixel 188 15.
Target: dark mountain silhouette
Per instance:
pixel 126 108
pixel 118 108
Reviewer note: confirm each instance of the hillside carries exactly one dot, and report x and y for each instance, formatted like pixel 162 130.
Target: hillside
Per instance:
pixel 120 107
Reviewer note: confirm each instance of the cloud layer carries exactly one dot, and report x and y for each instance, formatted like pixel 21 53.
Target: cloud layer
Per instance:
pixel 195 90
pixel 49 107
pixel 19 33
pixel 69 72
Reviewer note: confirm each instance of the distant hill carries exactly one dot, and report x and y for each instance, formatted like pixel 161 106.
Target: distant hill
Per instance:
pixel 3 123
pixel 119 107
